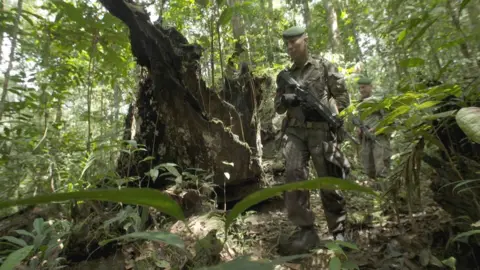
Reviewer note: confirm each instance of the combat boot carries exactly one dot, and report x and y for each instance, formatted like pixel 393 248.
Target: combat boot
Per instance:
pixel 307 240
pixel 300 242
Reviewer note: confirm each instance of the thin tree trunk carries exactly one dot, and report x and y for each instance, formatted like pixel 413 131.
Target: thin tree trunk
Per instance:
pixel 16 27
pixel 239 32
pixel 269 43
pixel 306 13
pixel 473 12
pixel 212 52
pixel 237 24
pixel 1 33
pixel 219 39
pixel 456 23
pixel 91 71
pixel 333 26
pixel 58 116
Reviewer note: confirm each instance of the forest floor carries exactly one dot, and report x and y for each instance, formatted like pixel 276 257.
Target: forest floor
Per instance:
pixel 415 239
pixel 385 240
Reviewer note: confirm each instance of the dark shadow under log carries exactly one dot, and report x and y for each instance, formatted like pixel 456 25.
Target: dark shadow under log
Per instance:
pixel 175 115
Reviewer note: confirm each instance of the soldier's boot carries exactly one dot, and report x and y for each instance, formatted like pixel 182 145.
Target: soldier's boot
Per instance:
pixel 307 240
pixel 300 242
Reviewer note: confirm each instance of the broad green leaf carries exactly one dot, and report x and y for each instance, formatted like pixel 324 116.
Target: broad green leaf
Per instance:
pixel 335 264
pixel 166 237
pixel 476 224
pixel 402 35
pixel 350 265
pixel 396 113
pixel 23 232
pixel 337 250
pixel 170 167
pixel 439 115
pixel 15 240
pixel 412 62
pixel 468 119
pixel 153 173
pixel 147 159
pixel 226 16
pixel 427 104
pixel 15 258
pixel 143 196
pixel 346 244
pixel 317 183
pixel 450 262
pixel 38 225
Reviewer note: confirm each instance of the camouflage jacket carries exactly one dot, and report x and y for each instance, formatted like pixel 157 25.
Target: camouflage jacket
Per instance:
pixel 322 79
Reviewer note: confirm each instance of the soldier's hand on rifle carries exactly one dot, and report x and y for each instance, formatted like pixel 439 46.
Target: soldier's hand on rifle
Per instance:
pixel 291 100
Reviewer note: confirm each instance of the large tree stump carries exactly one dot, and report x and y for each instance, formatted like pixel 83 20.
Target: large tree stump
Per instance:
pixel 175 115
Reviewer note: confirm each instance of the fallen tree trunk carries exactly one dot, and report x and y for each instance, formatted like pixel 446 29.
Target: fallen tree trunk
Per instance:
pixel 175 116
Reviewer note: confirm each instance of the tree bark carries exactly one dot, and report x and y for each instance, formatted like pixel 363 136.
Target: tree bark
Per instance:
pixel 333 26
pixel 170 114
pixel 1 31
pixel 306 13
pixel 16 28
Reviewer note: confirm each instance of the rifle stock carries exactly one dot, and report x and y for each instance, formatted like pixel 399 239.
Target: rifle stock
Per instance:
pixel 365 130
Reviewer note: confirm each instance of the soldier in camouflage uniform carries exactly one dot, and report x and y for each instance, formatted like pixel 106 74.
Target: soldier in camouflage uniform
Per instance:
pixel 308 135
pixel 375 155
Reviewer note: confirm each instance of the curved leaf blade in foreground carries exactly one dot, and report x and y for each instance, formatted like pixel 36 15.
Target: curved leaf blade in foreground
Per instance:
pixel 16 257
pixel 317 183
pixel 139 196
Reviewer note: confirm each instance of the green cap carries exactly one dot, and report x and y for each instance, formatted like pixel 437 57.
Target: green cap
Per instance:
pixel 294 31
pixel 364 80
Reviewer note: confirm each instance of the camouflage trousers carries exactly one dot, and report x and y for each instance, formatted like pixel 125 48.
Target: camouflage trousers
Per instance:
pixel 376 156
pixel 318 143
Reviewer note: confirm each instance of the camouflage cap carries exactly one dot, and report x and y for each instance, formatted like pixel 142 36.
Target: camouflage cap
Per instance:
pixel 364 80
pixel 292 32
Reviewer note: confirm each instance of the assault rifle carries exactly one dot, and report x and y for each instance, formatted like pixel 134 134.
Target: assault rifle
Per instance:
pixel 333 120
pixel 365 129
